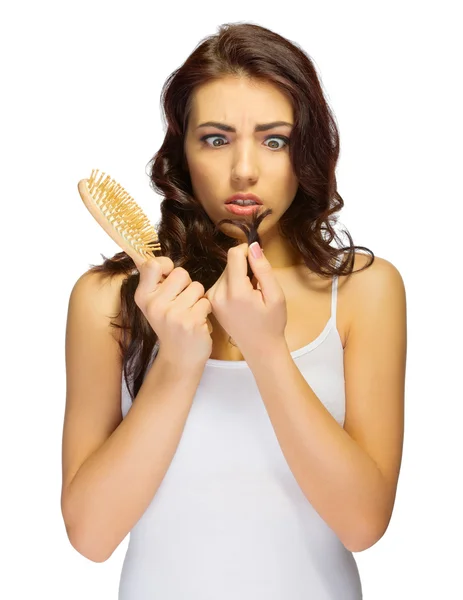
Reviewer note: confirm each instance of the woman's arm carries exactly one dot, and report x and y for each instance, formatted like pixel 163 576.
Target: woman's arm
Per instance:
pixel 348 474
pixel 112 467
pixel 115 485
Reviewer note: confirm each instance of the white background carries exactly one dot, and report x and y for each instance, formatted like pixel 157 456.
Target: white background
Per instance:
pixel 81 84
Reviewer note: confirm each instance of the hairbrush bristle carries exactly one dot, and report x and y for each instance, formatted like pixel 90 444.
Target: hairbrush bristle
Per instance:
pixel 124 214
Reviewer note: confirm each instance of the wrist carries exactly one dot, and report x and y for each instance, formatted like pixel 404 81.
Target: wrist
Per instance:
pixel 267 352
pixel 175 367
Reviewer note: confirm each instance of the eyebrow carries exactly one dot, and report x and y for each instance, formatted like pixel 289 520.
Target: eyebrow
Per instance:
pixel 259 127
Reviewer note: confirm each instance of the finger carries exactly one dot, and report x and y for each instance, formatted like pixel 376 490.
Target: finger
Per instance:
pixel 152 273
pixel 266 280
pixel 237 279
pixel 165 262
pixel 202 309
pixel 211 291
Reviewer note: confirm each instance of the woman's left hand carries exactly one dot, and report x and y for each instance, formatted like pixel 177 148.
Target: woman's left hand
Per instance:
pixel 252 317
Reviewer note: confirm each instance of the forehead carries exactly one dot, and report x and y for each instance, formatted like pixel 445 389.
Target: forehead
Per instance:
pixel 237 100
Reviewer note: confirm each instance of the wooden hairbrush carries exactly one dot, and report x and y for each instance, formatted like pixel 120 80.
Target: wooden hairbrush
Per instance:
pixel 121 217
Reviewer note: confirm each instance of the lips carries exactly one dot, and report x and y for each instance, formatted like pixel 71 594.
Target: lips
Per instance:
pixel 236 209
pixel 241 196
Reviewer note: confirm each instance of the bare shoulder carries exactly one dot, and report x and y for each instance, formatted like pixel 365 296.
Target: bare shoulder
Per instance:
pixel 105 294
pixel 362 288
pixel 373 278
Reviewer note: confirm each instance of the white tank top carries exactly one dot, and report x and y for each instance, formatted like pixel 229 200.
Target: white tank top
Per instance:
pixel 229 520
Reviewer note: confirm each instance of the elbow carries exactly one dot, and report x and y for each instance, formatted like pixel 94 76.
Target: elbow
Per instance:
pixel 87 549
pixel 80 541
pixel 371 528
pixel 84 547
pixel 359 542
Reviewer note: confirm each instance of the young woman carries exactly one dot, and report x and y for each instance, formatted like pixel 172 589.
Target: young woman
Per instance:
pixel 252 460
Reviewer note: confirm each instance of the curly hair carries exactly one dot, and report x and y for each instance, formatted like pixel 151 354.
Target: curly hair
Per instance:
pixel 186 233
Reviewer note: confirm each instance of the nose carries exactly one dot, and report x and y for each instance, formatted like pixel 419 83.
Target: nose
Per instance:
pixel 244 165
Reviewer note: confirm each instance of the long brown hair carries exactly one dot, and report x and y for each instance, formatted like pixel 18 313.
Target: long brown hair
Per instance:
pixel 186 233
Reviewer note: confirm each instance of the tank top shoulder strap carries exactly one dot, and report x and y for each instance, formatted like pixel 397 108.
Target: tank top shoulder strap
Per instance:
pixel 334 292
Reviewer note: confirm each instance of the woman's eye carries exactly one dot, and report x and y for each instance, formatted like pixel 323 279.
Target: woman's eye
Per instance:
pixel 280 138
pixel 207 137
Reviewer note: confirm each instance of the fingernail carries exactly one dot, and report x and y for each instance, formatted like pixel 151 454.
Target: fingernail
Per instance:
pixel 255 250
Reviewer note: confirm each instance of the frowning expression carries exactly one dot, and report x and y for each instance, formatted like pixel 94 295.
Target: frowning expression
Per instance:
pixel 237 140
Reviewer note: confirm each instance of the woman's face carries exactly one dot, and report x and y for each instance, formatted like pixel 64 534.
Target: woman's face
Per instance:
pixel 244 160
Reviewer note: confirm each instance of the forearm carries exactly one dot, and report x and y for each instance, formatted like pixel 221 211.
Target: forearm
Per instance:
pixel 115 485
pixel 336 475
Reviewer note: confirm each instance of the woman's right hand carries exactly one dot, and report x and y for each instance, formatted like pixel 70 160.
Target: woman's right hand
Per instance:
pixel 176 309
